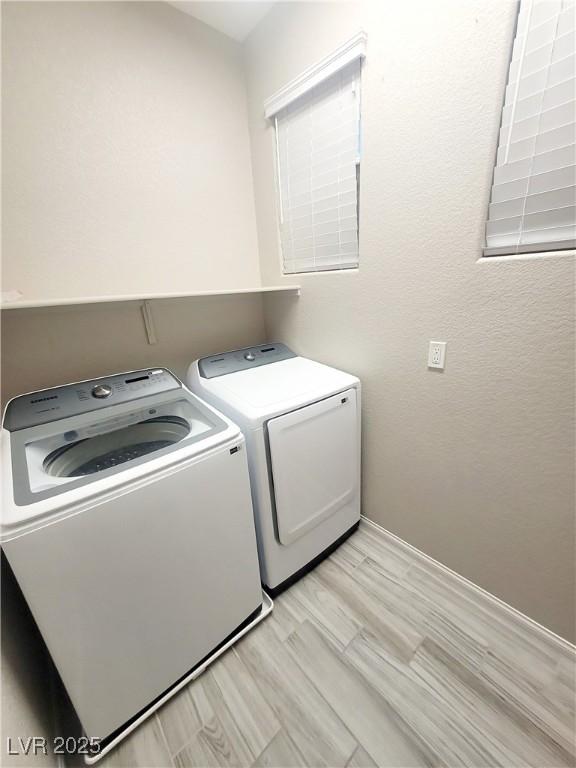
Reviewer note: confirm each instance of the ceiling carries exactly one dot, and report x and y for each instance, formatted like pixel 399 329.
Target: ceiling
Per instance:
pixel 235 19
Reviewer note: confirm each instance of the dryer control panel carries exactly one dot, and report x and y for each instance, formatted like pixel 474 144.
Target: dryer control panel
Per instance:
pixel 73 399
pixel 243 359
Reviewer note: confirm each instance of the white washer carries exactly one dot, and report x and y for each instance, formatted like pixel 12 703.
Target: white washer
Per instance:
pixel 127 520
pixel 301 421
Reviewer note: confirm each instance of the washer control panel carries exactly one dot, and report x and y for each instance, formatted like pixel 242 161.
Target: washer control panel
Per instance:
pixel 73 399
pixel 101 390
pixel 243 359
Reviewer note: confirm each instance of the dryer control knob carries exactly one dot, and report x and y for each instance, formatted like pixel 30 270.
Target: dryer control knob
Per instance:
pixel 101 390
pixel 250 356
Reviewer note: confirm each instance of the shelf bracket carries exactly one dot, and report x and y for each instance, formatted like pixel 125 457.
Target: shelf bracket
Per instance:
pixel 148 318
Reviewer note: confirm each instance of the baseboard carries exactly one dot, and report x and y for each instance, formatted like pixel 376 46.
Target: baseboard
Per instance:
pixel 514 613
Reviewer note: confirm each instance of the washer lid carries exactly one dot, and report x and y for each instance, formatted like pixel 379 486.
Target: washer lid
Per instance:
pixel 270 389
pixel 107 447
pixel 90 455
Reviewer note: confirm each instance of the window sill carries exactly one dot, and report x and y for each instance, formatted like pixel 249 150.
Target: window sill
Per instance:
pixel 319 272
pixel 526 256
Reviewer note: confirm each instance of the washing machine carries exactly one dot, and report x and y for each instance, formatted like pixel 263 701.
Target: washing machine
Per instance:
pixel 301 421
pixel 127 521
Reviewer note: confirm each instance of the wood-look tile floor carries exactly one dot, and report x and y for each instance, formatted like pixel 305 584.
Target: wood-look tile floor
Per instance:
pixel 376 658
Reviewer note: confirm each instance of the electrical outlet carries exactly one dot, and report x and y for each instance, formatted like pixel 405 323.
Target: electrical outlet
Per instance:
pixel 437 354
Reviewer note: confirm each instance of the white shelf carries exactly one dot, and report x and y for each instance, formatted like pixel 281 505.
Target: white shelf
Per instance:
pixel 29 304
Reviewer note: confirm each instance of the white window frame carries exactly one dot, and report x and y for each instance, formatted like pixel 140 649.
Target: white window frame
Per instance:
pixel 532 195
pixel 351 51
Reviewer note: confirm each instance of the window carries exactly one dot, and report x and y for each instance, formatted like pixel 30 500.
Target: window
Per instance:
pixel 317 122
pixel 532 206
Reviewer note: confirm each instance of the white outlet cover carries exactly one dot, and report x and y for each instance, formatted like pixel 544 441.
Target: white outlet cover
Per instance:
pixel 437 354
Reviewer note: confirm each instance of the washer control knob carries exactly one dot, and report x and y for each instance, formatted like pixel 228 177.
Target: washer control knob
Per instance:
pixel 250 356
pixel 101 390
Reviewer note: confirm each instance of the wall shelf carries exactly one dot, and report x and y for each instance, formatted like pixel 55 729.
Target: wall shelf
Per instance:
pixel 35 303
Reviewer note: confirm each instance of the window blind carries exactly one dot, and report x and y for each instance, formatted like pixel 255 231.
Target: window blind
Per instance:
pixel 532 205
pixel 318 156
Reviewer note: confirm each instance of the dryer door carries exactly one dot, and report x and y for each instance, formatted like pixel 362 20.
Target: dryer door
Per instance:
pixel 314 455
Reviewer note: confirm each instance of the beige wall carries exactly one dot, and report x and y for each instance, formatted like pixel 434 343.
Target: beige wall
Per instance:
pixel 126 170
pixel 475 465
pixel 50 346
pixel 126 152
